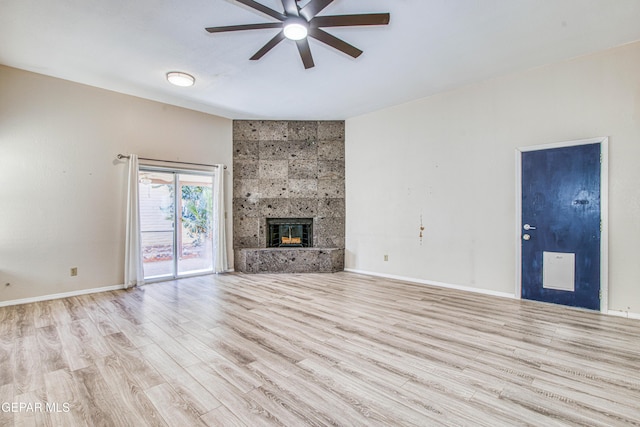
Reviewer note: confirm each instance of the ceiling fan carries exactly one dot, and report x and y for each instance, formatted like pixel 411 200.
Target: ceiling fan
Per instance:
pixel 298 23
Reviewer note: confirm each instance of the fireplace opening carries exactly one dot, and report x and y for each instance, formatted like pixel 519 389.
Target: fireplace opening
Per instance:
pixel 289 232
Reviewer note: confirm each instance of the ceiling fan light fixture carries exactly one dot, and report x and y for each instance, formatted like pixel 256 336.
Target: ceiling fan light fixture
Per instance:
pixel 296 29
pixel 178 78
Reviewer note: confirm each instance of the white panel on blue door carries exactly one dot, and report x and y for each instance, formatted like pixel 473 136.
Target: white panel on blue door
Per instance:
pixel 558 271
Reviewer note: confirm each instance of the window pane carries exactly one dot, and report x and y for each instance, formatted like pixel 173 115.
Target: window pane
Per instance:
pixel 156 201
pixel 156 193
pixel 195 243
pixel 157 253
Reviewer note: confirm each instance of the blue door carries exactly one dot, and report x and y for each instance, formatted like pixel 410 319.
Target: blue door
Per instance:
pixel 561 225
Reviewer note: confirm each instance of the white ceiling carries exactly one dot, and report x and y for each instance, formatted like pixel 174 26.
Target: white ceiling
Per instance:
pixel 429 46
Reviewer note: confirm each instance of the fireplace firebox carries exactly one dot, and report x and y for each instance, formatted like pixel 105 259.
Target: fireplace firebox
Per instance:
pixel 289 232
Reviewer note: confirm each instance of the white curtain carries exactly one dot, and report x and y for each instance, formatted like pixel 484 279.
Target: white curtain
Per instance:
pixel 220 262
pixel 133 272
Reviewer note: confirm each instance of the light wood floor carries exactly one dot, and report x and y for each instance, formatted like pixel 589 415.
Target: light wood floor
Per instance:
pixel 317 349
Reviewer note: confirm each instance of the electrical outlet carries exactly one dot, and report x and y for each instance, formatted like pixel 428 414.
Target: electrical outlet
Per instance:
pixel 74 271
pixel 386 257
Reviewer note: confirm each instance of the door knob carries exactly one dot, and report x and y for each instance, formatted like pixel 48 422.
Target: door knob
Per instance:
pixel 526 237
pixel 528 227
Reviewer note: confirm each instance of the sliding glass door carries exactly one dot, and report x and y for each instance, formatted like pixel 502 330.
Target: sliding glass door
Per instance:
pixel 175 222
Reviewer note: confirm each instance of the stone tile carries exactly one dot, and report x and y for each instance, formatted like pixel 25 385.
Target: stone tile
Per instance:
pixel 329 242
pixel 274 130
pixel 303 208
pixel 252 263
pixel 248 260
pixel 240 242
pixel 262 233
pixel 329 226
pixel 303 150
pixel 303 169
pixel 247 227
pixel 303 188
pixel 331 188
pixel 246 188
pixel 330 169
pixel 337 259
pixel 240 260
pixel 273 169
pixel 331 207
pixel 288 261
pixel 303 131
pixel 245 169
pixel 246 130
pixel 331 130
pixel 331 150
pixel 245 150
pixel 331 261
pixel 275 208
pixel 260 130
pixel 273 188
pixel 324 261
pixel 273 150
pixel 249 208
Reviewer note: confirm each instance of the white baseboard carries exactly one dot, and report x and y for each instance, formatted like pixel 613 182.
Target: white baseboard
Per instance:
pixel 60 295
pixel 618 313
pixel 434 283
pixel 627 314
pixel 77 293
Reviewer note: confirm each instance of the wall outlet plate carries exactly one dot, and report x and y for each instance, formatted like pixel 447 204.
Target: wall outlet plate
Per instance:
pixel 74 271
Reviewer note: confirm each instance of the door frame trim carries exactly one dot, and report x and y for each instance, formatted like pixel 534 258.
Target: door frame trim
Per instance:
pixel 604 212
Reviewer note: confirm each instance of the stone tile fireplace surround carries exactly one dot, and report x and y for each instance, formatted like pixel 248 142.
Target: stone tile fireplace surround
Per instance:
pixel 288 169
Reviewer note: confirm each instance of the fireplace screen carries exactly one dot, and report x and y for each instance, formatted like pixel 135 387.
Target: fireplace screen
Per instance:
pixel 289 232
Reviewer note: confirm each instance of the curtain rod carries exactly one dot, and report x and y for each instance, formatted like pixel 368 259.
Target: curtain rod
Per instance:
pixel 125 156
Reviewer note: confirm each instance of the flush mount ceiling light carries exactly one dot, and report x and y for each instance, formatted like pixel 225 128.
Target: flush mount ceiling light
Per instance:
pixel 180 79
pixel 299 22
pixel 295 29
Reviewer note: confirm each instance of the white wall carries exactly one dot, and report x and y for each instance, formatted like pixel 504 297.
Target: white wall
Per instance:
pixel 62 193
pixel 450 158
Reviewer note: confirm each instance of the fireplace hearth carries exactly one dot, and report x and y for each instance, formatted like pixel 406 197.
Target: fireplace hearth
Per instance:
pixel 289 232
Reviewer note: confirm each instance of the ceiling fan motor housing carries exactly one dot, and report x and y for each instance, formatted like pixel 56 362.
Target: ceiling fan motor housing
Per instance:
pixel 299 22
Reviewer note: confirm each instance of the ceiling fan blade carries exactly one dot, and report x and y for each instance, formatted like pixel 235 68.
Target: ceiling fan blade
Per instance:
pixel 290 7
pixel 350 20
pixel 267 47
pixel 334 42
pixel 313 8
pixel 264 9
pixel 305 53
pixel 244 27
